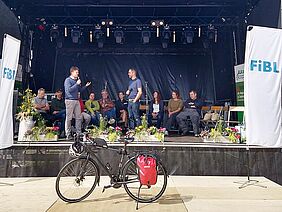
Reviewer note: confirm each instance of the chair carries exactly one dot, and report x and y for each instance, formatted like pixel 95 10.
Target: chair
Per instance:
pixel 235 109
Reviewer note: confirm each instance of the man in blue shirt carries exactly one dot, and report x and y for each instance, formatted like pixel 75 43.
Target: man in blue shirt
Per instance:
pixel 134 93
pixel 72 87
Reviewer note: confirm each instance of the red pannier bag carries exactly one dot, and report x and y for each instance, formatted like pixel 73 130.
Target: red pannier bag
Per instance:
pixel 147 165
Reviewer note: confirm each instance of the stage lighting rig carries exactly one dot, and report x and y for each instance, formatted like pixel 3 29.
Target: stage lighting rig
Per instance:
pixel 188 35
pixel 166 34
pixel 212 33
pixel 119 36
pixel 99 36
pixel 54 32
pixel 75 34
pixel 145 36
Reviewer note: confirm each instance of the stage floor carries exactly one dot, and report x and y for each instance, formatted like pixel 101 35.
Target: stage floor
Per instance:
pixel 184 193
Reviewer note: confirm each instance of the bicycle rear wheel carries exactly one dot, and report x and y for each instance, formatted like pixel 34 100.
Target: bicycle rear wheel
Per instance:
pixel 77 179
pixel 147 193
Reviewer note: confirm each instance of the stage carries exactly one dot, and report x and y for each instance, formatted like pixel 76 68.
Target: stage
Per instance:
pixel 184 193
pixel 188 156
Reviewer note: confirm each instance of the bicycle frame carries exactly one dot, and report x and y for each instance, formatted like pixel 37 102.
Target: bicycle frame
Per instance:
pixel 115 178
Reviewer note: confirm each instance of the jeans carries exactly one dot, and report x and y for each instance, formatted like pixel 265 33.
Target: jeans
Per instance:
pixel 95 118
pixel 182 120
pixel 61 116
pixel 133 113
pixel 110 114
pixel 171 121
pixel 159 120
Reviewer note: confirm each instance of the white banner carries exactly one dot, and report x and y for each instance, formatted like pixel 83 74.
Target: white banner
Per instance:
pixel 263 63
pixel 8 71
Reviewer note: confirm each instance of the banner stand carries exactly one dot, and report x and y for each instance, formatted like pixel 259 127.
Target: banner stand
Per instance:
pixel 249 182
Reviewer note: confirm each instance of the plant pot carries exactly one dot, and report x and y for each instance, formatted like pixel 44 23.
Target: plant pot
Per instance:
pixel 25 125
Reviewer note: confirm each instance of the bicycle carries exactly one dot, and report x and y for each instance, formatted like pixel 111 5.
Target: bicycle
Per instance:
pixel 79 177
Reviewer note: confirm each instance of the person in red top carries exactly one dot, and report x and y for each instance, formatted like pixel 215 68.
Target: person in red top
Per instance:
pixel 86 118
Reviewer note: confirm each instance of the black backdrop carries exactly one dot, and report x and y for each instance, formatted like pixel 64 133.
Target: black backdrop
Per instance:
pixel 162 72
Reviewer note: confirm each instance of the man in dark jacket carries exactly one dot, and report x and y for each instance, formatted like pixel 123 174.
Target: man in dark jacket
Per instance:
pixel 192 108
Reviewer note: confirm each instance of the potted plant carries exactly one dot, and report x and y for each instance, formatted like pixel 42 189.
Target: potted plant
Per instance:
pixel 26 114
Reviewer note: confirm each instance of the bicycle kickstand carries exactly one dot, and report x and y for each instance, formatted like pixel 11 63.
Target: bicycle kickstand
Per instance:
pixel 106 187
pixel 138 197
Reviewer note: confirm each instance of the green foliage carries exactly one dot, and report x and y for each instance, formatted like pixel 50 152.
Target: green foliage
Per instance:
pixel 26 108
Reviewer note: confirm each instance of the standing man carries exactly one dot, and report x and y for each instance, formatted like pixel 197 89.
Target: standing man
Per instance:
pixel 134 93
pixel 192 108
pixel 72 87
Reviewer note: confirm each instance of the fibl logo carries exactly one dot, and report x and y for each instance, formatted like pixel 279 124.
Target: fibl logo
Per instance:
pixel 263 66
pixel 9 74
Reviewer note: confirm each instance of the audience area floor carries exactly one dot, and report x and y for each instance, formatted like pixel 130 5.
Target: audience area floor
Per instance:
pixel 184 193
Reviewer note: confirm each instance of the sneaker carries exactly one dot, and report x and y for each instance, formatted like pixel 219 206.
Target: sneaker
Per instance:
pixel 197 135
pixel 111 121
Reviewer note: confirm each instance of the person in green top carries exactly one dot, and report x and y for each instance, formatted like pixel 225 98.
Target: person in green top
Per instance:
pixel 93 108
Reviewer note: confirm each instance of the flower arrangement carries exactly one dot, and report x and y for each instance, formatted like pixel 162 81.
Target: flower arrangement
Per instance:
pixel 110 134
pixel 233 134
pixel 26 109
pixel 141 133
pixel 39 133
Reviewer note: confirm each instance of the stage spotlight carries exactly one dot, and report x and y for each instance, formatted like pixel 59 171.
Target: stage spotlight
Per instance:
pixel 75 34
pixel 98 35
pixel 211 33
pixel 146 35
pixel 103 23
pixel 174 37
pixel 165 38
pixel 119 36
pixel 54 32
pixel 153 23
pixel 188 36
pixel 199 31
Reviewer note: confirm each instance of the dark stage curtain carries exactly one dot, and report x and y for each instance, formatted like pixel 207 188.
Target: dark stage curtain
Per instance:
pixel 162 72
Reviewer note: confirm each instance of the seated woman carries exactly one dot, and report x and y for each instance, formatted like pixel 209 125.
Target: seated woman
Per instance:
pixel 156 110
pixel 175 105
pixel 107 107
pixel 121 108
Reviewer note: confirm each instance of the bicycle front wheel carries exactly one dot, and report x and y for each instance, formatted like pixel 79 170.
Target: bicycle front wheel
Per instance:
pixel 147 193
pixel 77 179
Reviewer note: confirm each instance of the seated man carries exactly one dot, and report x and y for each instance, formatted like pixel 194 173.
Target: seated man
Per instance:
pixel 93 108
pixel 107 107
pixel 58 110
pixel 41 105
pixel 86 118
pixel 192 108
